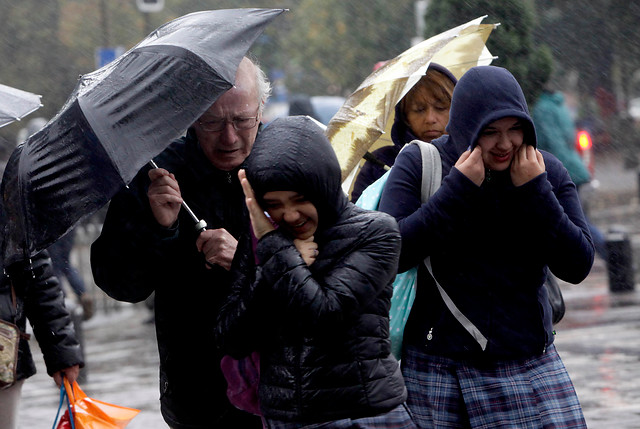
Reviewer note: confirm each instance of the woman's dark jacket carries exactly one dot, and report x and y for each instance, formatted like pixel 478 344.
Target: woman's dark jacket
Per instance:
pixel 40 299
pixel 489 245
pixel 322 330
pixel 134 256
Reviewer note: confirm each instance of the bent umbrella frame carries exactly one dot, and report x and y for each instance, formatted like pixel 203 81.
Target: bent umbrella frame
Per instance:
pixel 366 117
pixel 116 120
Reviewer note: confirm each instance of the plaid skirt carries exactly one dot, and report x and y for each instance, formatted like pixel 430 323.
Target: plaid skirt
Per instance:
pixel 528 393
pixel 398 418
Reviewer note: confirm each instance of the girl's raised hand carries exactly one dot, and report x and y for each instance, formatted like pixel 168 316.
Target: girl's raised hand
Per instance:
pixel 527 164
pixel 471 165
pixel 259 221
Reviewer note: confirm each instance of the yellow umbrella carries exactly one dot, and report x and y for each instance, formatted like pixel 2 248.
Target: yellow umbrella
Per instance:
pixel 366 117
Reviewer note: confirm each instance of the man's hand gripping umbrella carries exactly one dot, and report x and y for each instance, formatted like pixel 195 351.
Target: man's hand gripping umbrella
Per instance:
pixel 217 245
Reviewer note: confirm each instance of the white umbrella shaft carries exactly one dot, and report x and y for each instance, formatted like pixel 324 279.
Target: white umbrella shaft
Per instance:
pixel 201 224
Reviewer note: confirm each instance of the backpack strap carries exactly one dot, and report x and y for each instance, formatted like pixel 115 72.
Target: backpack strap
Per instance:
pixel 466 323
pixel 431 179
pixel 431 169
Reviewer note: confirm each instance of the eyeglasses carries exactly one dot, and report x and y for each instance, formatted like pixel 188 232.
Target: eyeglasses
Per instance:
pixel 238 124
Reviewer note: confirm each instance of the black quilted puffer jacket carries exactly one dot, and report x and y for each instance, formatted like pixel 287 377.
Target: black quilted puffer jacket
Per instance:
pixel 322 330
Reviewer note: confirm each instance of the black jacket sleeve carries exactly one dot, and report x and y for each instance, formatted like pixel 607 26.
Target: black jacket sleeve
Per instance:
pixel 44 307
pixel 131 254
pixel 237 324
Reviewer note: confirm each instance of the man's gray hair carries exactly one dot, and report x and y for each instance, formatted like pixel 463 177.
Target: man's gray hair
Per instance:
pixel 262 83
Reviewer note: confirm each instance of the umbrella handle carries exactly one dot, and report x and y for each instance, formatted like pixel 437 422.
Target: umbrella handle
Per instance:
pixel 201 225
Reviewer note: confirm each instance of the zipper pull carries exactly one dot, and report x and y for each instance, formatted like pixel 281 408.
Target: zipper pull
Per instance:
pixel 430 335
pixel 228 177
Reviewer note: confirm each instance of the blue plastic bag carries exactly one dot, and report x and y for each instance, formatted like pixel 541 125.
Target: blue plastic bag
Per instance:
pixel 404 285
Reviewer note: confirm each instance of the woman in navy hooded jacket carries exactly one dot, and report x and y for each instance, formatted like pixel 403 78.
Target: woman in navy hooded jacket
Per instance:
pixel 504 212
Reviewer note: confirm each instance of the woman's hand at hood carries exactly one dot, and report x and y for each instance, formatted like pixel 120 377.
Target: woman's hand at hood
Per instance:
pixel 471 165
pixel 527 165
pixel 259 221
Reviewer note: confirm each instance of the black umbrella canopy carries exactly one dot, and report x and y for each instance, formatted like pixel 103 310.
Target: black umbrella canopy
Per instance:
pixel 117 119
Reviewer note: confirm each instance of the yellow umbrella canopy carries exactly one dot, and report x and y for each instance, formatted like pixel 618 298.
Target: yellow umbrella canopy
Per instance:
pixel 365 119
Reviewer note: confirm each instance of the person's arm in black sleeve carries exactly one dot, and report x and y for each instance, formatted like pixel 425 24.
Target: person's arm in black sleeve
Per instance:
pixel 131 254
pixel 376 164
pixel 45 309
pixel 237 324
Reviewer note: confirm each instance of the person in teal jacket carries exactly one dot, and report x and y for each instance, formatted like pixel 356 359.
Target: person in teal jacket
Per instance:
pixel 556 133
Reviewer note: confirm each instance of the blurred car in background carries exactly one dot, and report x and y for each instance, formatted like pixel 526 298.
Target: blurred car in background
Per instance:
pixel 320 107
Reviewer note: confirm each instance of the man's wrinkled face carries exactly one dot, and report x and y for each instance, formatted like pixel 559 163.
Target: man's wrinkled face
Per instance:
pixel 227 130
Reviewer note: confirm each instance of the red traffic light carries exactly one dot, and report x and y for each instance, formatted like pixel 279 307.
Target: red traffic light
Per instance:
pixel 584 140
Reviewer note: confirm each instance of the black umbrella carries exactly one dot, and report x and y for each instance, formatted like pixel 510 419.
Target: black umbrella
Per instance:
pixel 117 119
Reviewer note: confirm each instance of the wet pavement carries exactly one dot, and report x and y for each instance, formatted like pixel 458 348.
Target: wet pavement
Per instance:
pixel 599 342
pixel 122 368
pixel 598 339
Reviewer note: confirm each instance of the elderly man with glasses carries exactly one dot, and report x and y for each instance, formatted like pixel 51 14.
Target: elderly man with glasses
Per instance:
pixel 149 245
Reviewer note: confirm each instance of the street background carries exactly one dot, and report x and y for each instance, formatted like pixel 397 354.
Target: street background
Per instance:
pixel 326 49
pixel 598 339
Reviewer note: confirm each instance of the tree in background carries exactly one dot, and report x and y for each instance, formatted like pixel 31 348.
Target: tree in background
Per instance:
pixel 334 44
pixel 32 52
pixel 46 46
pixel 512 42
pixel 331 46
pixel 598 43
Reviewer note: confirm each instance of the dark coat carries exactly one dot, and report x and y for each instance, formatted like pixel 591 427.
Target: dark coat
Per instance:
pixel 322 330
pixel 40 299
pixel 489 245
pixel 134 256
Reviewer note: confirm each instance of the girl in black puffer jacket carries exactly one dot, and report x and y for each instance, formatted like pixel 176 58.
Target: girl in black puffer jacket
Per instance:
pixel 317 306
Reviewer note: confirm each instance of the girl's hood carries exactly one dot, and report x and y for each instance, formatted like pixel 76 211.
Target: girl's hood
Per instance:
pixel 483 95
pixel 293 154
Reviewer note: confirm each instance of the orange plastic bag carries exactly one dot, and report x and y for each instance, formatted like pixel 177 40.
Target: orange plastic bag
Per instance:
pixel 89 413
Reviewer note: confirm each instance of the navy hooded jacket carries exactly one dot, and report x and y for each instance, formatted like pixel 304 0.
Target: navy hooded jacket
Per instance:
pixel 489 244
